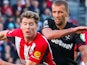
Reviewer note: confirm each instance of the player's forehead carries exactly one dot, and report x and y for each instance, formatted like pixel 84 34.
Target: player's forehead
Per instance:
pixel 60 4
pixel 58 7
pixel 28 20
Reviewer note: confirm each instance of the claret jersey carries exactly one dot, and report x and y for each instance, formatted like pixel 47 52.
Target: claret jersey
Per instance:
pixel 33 51
pixel 63 48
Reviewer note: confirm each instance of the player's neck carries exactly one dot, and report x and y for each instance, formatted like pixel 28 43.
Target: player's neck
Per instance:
pixel 30 39
pixel 61 26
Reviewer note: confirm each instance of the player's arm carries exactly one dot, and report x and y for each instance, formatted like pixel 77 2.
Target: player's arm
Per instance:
pixel 52 34
pixel 31 63
pixel 7 63
pixel 83 50
pixel 3 34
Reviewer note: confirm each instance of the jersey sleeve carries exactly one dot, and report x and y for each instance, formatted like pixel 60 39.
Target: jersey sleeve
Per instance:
pixel 45 24
pixel 14 32
pixel 11 34
pixel 38 53
pixel 48 23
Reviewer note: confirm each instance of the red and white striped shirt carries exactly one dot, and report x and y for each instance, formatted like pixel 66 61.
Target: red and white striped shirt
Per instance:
pixel 33 51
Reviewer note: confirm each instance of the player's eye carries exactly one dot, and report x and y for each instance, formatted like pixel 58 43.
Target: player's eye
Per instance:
pixel 31 24
pixel 25 23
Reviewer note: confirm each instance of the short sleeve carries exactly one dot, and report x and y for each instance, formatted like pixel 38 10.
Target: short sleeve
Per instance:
pixel 45 24
pixel 48 23
pixel 11 34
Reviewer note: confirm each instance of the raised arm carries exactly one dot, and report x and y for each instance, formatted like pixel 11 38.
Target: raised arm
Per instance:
pixel 52 34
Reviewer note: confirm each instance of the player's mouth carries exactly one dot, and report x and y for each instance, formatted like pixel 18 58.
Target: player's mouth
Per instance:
pixel 27 32
pixel 57 20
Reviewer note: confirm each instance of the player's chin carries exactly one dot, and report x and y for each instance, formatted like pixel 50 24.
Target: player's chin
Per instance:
pixel 57 21
pixel 28 36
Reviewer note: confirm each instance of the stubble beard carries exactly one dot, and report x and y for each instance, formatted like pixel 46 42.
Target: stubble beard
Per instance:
pixel 59 24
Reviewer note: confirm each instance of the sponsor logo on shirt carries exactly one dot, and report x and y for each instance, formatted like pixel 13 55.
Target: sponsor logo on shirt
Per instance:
pixel 62 44
pixel 67 37
pixel 37 54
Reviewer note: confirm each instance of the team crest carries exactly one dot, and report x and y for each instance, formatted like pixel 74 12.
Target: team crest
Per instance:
pixel 37 54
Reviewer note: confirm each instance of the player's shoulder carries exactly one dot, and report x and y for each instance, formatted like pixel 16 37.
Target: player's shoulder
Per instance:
pixel 14 32
pixel 49 20
pixel 18 31
pixel 48 23
pixel 69 24
pixel 40 39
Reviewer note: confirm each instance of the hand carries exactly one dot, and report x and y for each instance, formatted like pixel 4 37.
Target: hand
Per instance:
pixel 80 29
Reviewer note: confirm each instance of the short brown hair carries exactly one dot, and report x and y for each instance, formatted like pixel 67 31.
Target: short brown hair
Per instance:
pixel 30 14
pixel 61 2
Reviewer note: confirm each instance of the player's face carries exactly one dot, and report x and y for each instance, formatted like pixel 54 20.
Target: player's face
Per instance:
pixel 60 14
pixel 29 27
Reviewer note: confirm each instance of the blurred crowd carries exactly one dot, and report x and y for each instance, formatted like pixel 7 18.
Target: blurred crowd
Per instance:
pixel 11 10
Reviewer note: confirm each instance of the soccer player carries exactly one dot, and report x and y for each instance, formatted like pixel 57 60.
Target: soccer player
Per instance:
pixel 62 35
pixel 32 47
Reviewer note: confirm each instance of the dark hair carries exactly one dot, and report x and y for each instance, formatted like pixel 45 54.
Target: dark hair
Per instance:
pixel 30 14
pixel 61 2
